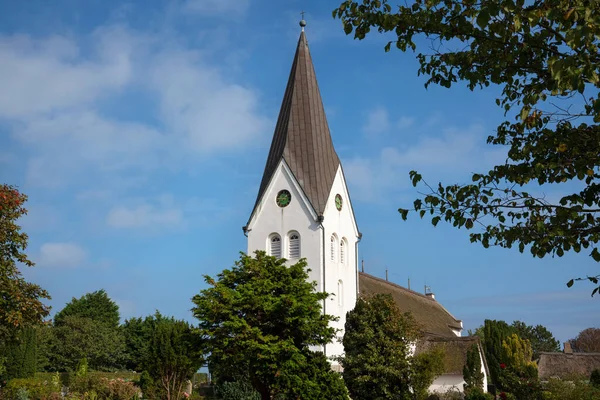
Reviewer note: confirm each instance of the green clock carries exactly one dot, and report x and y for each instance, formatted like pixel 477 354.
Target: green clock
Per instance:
pixel 338 202
pixel 283 198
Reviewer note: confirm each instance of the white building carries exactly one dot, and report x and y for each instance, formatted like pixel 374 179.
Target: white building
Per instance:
pixel 303 207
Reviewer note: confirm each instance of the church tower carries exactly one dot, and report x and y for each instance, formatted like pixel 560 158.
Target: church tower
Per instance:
pixel 303 207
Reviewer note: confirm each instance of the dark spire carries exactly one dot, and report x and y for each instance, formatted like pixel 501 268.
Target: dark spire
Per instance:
pixel 302 135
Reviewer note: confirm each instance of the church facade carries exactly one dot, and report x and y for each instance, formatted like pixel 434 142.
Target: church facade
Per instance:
pixel 303 210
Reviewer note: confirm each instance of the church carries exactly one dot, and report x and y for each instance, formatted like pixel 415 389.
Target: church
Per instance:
pixel 303 210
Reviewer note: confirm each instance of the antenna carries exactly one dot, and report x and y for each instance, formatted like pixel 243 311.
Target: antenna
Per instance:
pixel 409 283
pixel 363 265
pixel 427 288
pixel 386 273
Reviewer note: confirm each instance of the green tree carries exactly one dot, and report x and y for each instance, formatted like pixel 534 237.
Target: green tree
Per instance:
pixel 79 337
pixel 472 371
pixel 137 333
pixel 173 356
pixel 97 306
pixel 495 332
pixel 259 320
pixel 20 301
pixel 377 343
pixel 519 374
pixel 22 354
pixel 587 341
pixel 540 338
pixel 544 55
pixel 595 378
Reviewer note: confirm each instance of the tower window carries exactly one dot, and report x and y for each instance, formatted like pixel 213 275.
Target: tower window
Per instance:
pixel 333 249
pixel 294 245
pixel 343 251
pixel 275 245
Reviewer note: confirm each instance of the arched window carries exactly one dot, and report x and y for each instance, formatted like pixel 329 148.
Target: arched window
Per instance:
pixel 333 247
pixel 293 245
pixel 343 251
pixel 275 245
pixel 340 294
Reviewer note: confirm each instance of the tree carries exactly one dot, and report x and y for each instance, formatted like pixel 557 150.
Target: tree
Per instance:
pixel 519 374
pixel 494 333
pixel 588 341
pixel 20 301
pixel 540 338
pixel 378 361
pixel 172 357
pixel 258 320
pixel 79 337
pixel 97 306
pixel 137 333
pixel 22 354
pixel 472 371
pixel 544 55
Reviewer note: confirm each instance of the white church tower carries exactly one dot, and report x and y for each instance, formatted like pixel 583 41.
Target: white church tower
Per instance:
pixel 303 207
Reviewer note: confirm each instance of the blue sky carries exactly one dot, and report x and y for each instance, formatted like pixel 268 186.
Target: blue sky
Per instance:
pixel 140 130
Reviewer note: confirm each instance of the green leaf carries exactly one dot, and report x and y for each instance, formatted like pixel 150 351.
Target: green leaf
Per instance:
pixel 570 283
pixel 435 220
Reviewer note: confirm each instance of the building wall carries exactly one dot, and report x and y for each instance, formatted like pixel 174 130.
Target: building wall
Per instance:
pixel 339 279
pixel 447 382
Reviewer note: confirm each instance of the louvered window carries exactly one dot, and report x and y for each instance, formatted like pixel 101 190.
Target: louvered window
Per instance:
pixel 294 246
pixel 275 246
pixel 333 247
pixel 342 252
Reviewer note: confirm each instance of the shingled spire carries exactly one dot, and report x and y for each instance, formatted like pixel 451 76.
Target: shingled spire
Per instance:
pixel 302 137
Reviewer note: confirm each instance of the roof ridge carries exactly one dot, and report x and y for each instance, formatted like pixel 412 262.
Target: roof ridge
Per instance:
pixel 413 292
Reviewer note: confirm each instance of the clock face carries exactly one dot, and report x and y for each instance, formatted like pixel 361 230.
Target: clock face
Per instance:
pixel 283 198
pixel 338 202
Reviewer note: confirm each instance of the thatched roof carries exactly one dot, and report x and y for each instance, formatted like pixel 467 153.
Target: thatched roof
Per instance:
pixel 455 350
pixel 433 318
pixel 564 365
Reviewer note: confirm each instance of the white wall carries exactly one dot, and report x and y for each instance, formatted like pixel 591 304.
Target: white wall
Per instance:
pixel 343 225
pixel 298 216
pixel 446 382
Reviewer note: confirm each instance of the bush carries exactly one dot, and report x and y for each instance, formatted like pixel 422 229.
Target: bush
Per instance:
pixel 557 389
pixel 478 395
pixel 31 389
pixel 237 390
pixel 595 378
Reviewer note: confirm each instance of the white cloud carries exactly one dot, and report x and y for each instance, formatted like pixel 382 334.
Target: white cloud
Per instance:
pixel 405 122
pixel 55 94
pixel 45 75
pixel 217 7
pixel 61 255
pixel 377 122
pixel 142 216
pixel 452 155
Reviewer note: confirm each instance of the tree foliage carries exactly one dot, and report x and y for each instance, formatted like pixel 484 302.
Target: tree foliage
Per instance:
pixel 22 354
pixel 259 320
pixel 495 332
pixel 545 57
pixel 20 301
pixel 540 338
pixel 472 371
pixel 172 357
pixel 378 361
pixel 587 341
pixel 96 305
pixel 80 337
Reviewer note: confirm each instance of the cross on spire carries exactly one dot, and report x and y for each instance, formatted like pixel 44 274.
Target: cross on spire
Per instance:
pixel 302 22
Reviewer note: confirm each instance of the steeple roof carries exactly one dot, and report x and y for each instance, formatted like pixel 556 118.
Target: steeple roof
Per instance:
pixel 302 137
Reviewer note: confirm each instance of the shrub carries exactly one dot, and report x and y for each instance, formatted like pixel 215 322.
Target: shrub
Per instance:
pixel 478 395
pixel 31 389
pixel 557 389
pixel 237 390
pixel 595 378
